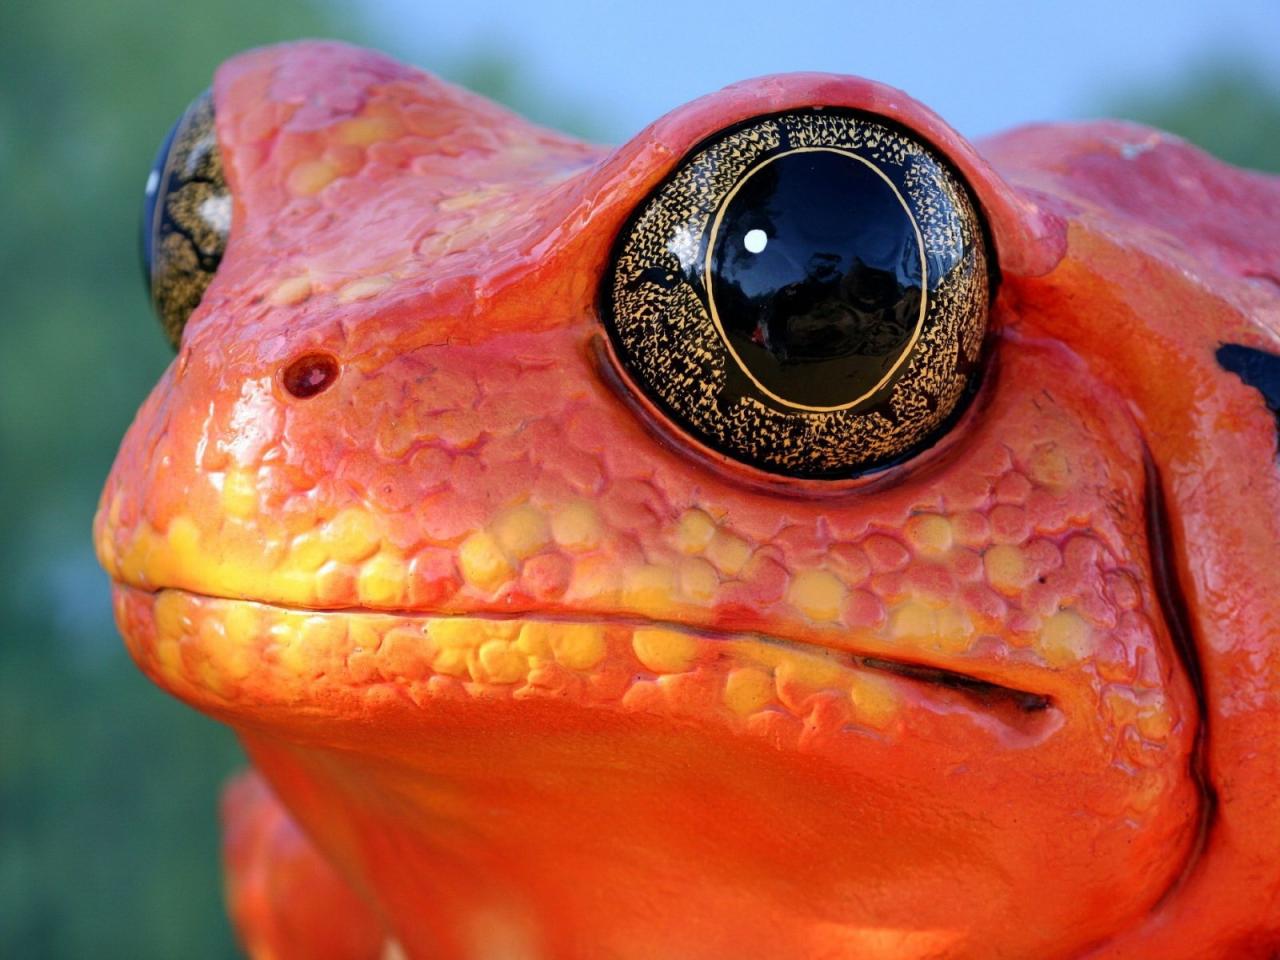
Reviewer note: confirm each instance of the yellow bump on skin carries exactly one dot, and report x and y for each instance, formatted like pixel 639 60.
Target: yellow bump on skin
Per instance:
pixel 170 613
pixel 351 536
pixel 452 662
pixel 955 630
pixel 308 552
pixel 534 640
pixel 107 555
pixel 813 672
pixel 321 631
pixel 875 702
pixel 498 662
pixel 310 177
pixel 184 540
pixel 363 289
pixel 595 580
pixel 1155 722
pixel 1064 638
pixel 913 620
pixel 648 589
pixel 453 641
pixel 578 646
pixel 576 526
pixel 210 634
pixel 694 531
pixel 135 554
pixel 362 131
pixel 1050 467
pixel 767 656
pixel 1006 569
pixel 402 653
pixel 947 629
pixel 169 654
pixel 296 641
pixel 1142 799
pixel 817 594
pixel 365 633
pixel 236 656
pixel 382 580
pixel 482 562
pixel 929 534
pixel 728 553
pixel 664 651
pixel 240 492
pixel 240 623
pixel 103 540
pixel 747 689
pixel 698 579
pixel 1121 705
pixel 288 293
pixel 521 531
pixel 456 632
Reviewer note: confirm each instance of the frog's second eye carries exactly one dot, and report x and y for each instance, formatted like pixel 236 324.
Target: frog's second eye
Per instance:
pixel 186 217
pixel 806 293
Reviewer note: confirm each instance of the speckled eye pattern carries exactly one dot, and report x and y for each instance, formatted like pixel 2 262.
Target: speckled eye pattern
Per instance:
pixel 186 217
pixel 807 293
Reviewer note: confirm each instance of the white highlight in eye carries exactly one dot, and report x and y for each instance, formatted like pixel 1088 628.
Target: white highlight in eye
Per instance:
pixel 683 245
pixel 755 241
pixel 216 211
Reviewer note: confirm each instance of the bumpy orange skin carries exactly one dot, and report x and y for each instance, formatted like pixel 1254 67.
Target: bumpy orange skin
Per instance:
pixel 540 677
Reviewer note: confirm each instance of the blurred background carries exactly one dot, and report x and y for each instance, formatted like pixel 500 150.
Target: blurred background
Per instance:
pixel 108 789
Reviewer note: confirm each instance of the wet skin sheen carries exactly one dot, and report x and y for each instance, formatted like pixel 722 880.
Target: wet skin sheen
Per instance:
pixel 525 670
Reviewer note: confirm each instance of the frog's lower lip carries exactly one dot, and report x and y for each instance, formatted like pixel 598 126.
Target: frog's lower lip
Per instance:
pixel 268 650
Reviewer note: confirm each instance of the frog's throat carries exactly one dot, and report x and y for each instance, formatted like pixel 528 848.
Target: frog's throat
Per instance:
pixel 231 655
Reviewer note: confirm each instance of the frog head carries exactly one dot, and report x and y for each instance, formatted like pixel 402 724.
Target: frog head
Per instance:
pixel 795 532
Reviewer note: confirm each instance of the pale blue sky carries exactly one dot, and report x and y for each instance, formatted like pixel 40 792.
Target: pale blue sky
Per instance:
pixel 983 66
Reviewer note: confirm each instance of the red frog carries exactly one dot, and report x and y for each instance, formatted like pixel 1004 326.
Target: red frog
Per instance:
pixel 794 533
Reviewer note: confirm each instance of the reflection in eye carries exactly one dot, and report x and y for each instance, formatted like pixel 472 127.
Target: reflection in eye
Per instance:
pixel 845 267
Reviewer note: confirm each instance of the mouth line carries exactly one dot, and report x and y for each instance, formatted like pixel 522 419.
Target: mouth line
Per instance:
pixel 988 695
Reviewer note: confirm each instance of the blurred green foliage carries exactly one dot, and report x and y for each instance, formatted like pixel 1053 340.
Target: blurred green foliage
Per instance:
pixel 108 790
pixel 1222 105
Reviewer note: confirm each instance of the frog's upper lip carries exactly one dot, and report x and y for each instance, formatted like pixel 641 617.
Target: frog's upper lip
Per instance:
pixel 983 691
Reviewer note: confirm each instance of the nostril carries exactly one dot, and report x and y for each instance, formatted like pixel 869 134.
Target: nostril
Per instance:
pixel 310 374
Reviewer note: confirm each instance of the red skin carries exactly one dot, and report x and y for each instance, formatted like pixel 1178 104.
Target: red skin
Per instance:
pixel 698 792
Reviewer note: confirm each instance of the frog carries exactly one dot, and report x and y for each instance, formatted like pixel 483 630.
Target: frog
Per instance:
pixel 796 532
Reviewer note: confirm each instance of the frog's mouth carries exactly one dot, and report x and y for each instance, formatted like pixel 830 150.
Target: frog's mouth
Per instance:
pixel 231 655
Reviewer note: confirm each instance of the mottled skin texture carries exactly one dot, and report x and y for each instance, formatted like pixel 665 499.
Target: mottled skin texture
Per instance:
pixel 538 677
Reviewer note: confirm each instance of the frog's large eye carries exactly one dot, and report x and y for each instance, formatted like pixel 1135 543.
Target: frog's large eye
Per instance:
pixel 186 217
pixel 806 293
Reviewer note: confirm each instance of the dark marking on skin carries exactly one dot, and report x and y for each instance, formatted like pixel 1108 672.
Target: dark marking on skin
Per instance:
pixel 1257 368
pixel 984 692
pixel 1173 606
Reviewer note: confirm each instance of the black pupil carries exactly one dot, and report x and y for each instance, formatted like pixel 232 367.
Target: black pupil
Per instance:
pixel 816 278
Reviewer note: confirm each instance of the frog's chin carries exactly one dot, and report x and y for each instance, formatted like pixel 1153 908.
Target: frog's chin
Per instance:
pixel 237 658
pixel 617 772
